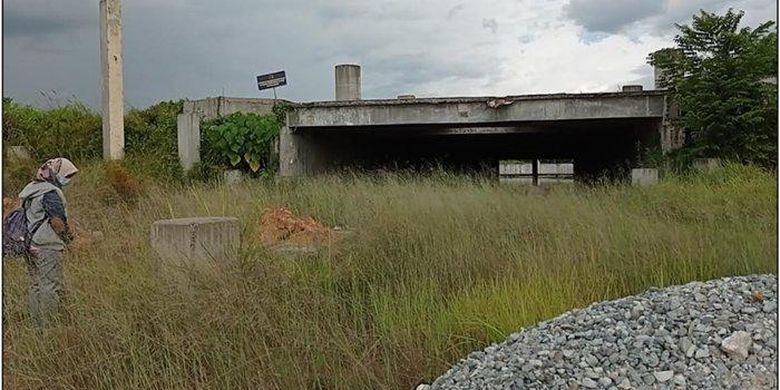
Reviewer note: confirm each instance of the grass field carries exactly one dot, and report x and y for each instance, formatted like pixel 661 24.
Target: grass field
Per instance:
pixel 437 267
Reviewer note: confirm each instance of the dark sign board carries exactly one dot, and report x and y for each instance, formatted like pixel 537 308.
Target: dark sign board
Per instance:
pixel 271 80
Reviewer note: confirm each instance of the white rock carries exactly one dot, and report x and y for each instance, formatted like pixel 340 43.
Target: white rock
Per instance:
pixel 663 376
pixel 423 387
pixel 624 384
pixel 589 383
pixel 738 344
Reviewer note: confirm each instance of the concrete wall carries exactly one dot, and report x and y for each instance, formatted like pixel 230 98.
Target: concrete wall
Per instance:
pixel 195 111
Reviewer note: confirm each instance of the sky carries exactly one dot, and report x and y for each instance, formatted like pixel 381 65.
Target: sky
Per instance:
pixel 197 48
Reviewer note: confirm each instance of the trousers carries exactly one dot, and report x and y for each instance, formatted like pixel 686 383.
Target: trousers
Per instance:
pixel 46 288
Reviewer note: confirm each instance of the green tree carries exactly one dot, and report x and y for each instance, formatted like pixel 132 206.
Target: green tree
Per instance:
pixel 720 75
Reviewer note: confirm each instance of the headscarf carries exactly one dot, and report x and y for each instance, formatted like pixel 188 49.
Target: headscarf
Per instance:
pixel 56 171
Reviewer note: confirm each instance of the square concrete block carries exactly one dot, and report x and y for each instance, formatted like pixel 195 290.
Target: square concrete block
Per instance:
pixel 196 243
pixel 644 176
pixel 707 165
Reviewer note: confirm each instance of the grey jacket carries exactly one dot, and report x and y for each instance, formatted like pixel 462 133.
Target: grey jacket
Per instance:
pixel 44 237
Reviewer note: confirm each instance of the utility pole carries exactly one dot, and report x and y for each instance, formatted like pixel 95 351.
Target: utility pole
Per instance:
pixel 112 88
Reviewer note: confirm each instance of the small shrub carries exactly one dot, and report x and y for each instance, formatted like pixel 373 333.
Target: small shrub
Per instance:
pixel 150 141
pixel 16 174
pixel 126 185
pixel 72 130
pixel 241 140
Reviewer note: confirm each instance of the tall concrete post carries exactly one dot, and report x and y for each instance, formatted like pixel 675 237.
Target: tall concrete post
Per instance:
pixel 111 64
pixel 347 82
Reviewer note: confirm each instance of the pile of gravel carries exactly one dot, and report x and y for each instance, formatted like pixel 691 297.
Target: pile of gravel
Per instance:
pixel 715 335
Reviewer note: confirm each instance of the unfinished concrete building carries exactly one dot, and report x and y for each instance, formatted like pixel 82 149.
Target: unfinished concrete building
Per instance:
pixel 599 132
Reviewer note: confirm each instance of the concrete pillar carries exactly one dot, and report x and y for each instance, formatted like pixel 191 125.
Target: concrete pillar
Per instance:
pixel 188 138
pixel 348 82
pixel 195 243
pixel 644 176
pixel 113 95
pixel 535 172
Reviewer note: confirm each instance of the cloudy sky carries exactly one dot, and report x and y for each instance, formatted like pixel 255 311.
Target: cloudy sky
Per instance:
pixel 197 48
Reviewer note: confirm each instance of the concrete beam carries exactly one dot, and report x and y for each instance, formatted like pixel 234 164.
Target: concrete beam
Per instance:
pixel 111 64
pixel 466 111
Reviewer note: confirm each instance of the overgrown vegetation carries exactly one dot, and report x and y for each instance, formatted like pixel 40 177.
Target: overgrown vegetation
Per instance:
pixel 717 74
pixel 437 267
pixel 74 131
pixel 241 140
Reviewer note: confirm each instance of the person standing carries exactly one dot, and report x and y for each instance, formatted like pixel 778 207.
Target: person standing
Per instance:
pixel 45 211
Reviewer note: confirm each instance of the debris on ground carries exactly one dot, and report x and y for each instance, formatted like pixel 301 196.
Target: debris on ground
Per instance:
pixel 280 227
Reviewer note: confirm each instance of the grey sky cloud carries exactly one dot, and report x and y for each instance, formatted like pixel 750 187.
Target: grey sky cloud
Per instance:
pixel 490 24
pixel 454 11
pixel 611 16
pixel 599 18
pixel 196 48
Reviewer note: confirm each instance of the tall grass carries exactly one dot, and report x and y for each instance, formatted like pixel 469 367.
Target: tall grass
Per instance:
pixel 437 267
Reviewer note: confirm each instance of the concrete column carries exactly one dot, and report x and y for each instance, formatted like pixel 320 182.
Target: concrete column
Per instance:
pixel 658 74
pixel 348 82
pixel 188 138
pixel 302 153
pixel 290 163
pixel 535 172
pixel 113 95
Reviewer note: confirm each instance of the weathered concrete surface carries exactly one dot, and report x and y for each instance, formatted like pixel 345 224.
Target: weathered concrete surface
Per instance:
pixel 113 94
pixel 348 82
pixel 466 111
pixel 215 107
pixel 196 243
pixel 195 111
pixel 188 139
pixel 644 176
pixel 596 130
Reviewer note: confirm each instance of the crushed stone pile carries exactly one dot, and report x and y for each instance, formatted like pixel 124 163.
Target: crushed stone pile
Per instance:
pixel 279 226
pixel 715 335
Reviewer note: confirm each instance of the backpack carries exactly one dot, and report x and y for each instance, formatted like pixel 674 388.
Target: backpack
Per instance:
pixel 16 234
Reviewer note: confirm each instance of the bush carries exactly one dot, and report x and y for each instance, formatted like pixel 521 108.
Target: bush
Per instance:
pixel 240 140
pixel 75 132
pixel 127 186
pixel 72 130
pixel 150 138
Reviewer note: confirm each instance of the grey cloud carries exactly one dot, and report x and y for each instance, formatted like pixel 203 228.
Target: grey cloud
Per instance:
pixel 611 16
pixel 600 18
pixel 35 18
pixel 454 10
pixel 490 24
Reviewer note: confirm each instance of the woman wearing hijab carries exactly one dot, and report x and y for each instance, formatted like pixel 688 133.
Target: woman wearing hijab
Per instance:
pixel 46 216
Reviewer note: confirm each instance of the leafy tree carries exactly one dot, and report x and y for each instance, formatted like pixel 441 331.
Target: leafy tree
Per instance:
pixel 718 74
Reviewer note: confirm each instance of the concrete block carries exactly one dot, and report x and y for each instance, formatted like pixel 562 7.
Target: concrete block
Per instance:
pixel 198 244
pixel 188 138
pixel 707 165
pixel 644 176
pixel 632 88
pixel 233 176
